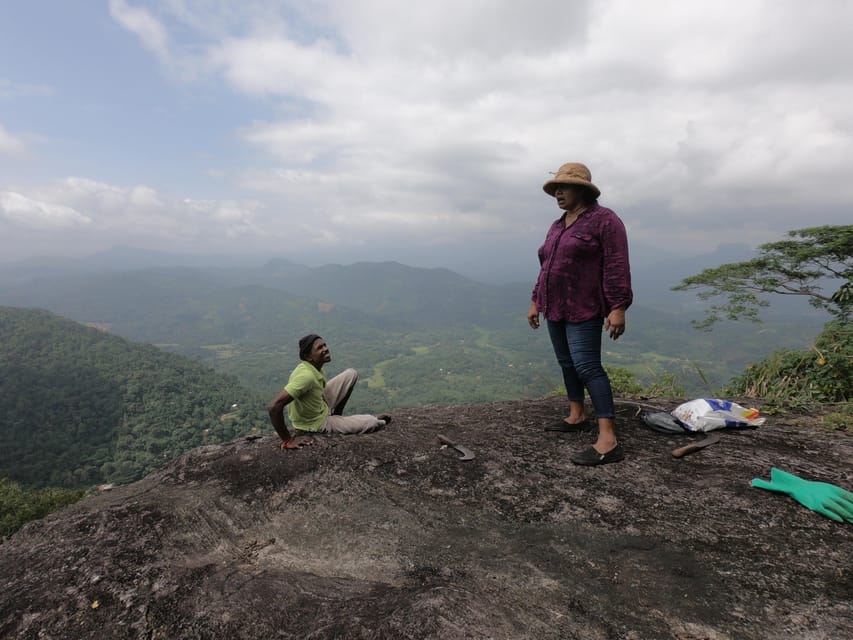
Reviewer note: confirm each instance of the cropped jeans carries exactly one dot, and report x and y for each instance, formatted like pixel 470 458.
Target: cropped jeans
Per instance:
pixel 577 346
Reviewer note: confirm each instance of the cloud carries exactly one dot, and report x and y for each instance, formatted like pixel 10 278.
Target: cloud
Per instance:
pixel 436 123
pixel 36 214
pixel 446 30
pixel 10 144
pixel 151 32
pixel 117 213
pixel 680 104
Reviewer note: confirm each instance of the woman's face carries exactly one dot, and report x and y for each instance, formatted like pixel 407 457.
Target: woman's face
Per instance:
pixel 568 196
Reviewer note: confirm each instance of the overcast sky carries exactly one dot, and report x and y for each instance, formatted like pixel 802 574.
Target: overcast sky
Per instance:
pixel 336 131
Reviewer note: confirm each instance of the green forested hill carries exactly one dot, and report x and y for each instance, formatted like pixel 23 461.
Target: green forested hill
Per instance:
pixel 79 406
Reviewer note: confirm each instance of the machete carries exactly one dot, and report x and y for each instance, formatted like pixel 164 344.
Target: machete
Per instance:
pixel 467 454
pixel 695 446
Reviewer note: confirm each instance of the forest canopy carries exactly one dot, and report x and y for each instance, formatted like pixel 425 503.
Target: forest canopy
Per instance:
pixel 82 407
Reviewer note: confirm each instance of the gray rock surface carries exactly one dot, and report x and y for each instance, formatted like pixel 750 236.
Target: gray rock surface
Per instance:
pixel 388 535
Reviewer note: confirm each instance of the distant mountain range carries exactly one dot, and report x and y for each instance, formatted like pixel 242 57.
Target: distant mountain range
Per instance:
pixel 418 335
pixel 654 274
pixel 148 304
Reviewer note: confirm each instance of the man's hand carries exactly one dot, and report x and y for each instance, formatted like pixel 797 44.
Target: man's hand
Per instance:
pixel 533 316
pixel 297 442
pixel 615 323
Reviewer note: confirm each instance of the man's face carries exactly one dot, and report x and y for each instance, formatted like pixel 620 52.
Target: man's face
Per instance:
pixel 320 353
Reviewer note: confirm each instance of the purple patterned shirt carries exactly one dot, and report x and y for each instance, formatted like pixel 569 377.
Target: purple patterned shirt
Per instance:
pixel 584 270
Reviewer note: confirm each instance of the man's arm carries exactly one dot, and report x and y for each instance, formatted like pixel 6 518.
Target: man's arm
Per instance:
pixel 276 411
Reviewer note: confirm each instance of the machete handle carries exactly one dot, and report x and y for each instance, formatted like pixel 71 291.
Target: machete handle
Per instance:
pixel 446 440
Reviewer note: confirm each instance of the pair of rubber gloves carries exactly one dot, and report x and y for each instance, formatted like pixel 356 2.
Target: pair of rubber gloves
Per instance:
pixel 822 497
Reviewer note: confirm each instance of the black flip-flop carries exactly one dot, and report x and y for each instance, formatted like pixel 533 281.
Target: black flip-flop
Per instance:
pixel 565 427
pixel 589 457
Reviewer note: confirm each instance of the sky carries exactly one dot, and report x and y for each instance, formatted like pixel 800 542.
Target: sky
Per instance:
pixel 338 131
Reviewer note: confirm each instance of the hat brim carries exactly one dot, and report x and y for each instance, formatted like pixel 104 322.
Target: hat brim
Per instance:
pixel 551 186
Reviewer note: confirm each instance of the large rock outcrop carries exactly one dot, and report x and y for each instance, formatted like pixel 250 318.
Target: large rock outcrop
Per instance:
pixel 389 536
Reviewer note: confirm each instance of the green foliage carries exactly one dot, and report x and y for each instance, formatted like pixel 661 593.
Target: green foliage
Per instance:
pixel 797 378
pixel 797 267
pixel 839 420
pixel 450 367
pixel 623 382
pixel 82 407
pixel 626 385
pixel 665 385
pixel 19 506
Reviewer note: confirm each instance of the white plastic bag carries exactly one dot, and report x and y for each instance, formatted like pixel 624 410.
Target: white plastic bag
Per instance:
pixel 707 414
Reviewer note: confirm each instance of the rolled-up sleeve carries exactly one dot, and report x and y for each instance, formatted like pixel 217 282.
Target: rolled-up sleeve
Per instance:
pixel 616 269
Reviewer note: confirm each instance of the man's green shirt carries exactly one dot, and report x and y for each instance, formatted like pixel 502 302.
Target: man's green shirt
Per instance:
pixel 308 410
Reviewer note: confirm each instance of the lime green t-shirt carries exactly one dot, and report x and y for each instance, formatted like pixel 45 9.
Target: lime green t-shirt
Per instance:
pixel 308 410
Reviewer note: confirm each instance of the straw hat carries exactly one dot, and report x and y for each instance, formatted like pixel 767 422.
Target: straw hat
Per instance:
pixel 571 173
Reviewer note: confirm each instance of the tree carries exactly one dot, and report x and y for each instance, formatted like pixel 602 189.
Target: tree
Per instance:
pixel 18 506
pixel 813 258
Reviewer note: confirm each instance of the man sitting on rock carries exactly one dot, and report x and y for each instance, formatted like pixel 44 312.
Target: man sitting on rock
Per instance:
pixel 310 397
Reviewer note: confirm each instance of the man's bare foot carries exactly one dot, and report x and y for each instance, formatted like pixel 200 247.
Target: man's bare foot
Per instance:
pixel 297 442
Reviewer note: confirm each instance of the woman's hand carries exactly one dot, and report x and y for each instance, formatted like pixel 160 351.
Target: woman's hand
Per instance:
pixel 615 323
pixel 533 316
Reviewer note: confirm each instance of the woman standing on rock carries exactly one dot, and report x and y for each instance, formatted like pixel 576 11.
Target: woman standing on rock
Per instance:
pixel 584 282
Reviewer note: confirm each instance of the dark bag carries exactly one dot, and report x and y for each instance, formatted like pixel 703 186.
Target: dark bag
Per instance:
pixel 663 422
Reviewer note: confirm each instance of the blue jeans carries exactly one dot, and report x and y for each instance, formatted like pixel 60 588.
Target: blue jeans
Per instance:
pixel 577 346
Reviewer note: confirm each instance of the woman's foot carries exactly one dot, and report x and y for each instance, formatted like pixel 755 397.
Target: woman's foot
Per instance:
pixel 577 412
pixel 603 446
pixel 606 439
pixel 592 457
pixel 569 426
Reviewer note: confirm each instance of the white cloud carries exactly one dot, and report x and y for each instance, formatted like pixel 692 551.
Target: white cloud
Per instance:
pixel 150 31
pixel 689 103
pixel 36 214
pixel 120 212
pixel 438 122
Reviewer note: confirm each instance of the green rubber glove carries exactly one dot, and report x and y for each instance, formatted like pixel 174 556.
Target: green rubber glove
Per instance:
pixel 822 497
